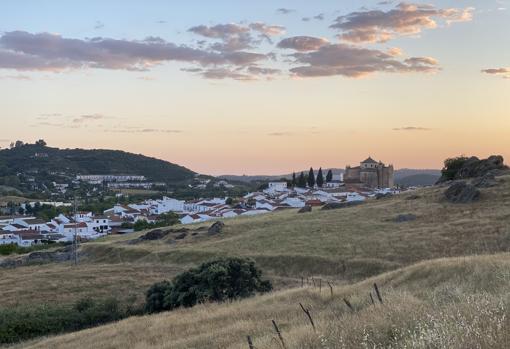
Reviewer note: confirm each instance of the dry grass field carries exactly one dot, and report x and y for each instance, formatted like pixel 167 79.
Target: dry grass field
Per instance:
pixel 425 294
pixel 445 303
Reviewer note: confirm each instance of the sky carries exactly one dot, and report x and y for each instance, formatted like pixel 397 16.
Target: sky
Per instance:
pixel 259 87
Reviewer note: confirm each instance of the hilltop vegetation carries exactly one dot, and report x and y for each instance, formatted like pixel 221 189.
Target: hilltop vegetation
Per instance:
pixel 47 164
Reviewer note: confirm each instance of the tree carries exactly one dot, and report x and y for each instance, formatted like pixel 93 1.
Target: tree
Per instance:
pixel 18 144
pixel 219 280
pixel 329 176
pixel 41 143
pixel 320 178
pixel 311 178
pixel 301 181
pixel 452 166
pixel 155 297
pixel 294 181
pixel 229 201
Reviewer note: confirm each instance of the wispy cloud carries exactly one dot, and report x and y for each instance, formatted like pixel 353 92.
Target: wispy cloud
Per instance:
pixel 412 128
pixel 89 117
pixel 285 11
pixel 503 72
pixel 99 25
pixel 16 77
pixel 279 134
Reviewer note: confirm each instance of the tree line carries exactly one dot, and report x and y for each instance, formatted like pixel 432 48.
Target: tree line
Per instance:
pixel 310 180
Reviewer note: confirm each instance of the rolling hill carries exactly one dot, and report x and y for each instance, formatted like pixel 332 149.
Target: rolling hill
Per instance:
pixel 443 277
pixel 42 161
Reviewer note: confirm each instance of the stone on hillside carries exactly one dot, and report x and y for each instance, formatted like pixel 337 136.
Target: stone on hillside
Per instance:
pixel 486 181
pixel 180 236
pixel 474 167
pixel 216 228
pixel 155 234
pixel 337 205
pixel 408 217
pixel 305 209
pixel 462 193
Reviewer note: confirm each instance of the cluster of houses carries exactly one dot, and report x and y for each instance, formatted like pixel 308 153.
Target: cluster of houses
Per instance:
pixel 26 231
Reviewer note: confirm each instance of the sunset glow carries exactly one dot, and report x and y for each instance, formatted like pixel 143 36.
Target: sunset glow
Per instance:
pixel 259 88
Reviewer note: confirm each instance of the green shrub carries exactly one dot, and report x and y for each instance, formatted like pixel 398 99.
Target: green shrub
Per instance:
pixel 452 166
pixel 215 281
pixel 25 322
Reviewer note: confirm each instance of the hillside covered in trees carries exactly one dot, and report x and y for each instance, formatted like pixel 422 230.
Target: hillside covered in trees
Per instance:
pixel 43 163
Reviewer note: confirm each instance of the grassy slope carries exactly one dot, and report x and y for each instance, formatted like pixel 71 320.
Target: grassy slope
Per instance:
pixel 287 246
pixel 444 303
pixel 364 238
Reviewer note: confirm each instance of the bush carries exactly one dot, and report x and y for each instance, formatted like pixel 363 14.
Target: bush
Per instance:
pixel 215 281
pixel 26 322
pixel 452 166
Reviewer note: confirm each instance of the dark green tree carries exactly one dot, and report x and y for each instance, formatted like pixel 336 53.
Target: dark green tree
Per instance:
pixel 329 176
pixel 311 178
pixel 452 166
pixel 301 182
pixel 219 280
pixel 294 181
pixel 320 178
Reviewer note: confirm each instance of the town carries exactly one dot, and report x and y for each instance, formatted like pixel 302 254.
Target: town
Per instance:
pixel 368 180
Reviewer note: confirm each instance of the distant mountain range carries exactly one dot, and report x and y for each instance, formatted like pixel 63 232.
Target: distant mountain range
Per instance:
pixel 405 176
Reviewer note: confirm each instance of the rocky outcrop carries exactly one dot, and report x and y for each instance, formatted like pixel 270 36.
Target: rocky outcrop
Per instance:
pixel 408 217
pixel 305 209
pixel 216 228
pixel 462 193
pixel 473 167
pixel 39 257
pixel 337 205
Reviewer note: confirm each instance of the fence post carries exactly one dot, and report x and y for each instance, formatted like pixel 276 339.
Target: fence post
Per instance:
pixel 250 343
pixel 279 334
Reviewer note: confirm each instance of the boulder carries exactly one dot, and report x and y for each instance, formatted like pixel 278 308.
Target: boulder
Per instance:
pixel 155 234
pixel 180 236
pixel 305 209
pixel 337 205
pixel 216 228
pixel 408 217
pixel 462 193
pixel 486 181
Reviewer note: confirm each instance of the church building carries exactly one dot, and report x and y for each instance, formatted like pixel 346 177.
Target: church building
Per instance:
pixel 370 174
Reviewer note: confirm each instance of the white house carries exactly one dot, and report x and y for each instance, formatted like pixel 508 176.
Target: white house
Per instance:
pixel 9 238
pixel 293 202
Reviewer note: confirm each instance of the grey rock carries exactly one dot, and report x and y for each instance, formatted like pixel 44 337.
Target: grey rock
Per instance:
pixel 337 205
pixel 216 228
pixel 462 193
pixel 408 217
pixel 486 181
pixel 305 209
pixel 180 236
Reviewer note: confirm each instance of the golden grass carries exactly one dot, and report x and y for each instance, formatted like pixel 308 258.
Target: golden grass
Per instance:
pixel 65 283
pixel 343 246
pixel 364 239
pixel 445 303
